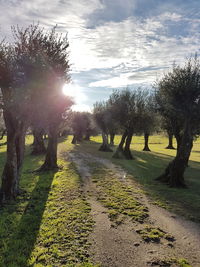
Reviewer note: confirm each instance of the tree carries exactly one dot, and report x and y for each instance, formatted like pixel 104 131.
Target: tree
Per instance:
pixel 38 141
pixel 79 126
pixel 168 126
pixel 103 116
pixel 149 122
pixel 32 73
pixel 178 95
pixel 127 108
pixel 15 103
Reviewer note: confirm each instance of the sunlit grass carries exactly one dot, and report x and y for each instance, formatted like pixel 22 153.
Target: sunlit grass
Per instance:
pixel 50 221
pixel 149 165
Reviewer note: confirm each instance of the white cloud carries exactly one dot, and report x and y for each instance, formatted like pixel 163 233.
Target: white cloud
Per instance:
pixel 107 40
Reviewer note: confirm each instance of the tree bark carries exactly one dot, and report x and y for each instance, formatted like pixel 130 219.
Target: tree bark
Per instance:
pixel 74 140
pixel 174 173
pixel 170 138
pixel 87 136
pixel 146 142
pixel 119 153
pixel 50 162
pixel 38 144
pixel 112 137
pixel 15 156
pixel 105 146
pixel 127 151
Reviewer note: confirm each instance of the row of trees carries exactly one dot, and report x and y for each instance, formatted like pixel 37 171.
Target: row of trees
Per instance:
pixel 33 70
pixel 174 106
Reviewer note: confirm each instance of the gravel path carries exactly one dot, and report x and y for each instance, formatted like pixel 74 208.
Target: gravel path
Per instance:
pixel 122 246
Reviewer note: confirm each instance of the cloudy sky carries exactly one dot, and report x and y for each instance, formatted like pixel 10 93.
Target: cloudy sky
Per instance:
pixel 113 43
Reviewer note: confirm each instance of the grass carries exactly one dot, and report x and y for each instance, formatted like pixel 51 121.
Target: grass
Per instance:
pixel 149 165
pixel 117 197
pixel 152 234
pixel 49 224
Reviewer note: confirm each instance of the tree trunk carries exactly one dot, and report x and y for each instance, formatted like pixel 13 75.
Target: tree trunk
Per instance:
pixel 119 153
pixel 74 140
pixel 127 151
pixel 112 137
pixel 15 156
pixel 87 136
pixel 174 173
pixel 38 144
pixel 170 137
pixel 105 146
pixel 9 187
pixel 146 142
pixel 50 162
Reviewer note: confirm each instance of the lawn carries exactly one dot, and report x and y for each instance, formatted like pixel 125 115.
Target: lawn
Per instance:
pixel 148 165
pixel 49 222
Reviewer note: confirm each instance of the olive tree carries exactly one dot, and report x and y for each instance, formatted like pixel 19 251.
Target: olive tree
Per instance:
pixel 178 95
pixel 128 109
pixel 32 72
pixel 103 116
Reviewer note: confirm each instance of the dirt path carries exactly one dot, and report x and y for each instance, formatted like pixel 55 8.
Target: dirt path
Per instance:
pixel 122 246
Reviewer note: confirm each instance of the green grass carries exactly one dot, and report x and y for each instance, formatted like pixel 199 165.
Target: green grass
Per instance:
pixel 117 197
pixel 149 165
pixel 49 224
pixel 152 234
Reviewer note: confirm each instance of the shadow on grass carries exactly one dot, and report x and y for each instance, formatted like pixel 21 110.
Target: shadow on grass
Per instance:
pixel 19 245
pixel 149 165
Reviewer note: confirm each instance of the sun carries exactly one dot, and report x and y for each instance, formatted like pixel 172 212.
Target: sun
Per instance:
pixel 79 97
pixel 70 90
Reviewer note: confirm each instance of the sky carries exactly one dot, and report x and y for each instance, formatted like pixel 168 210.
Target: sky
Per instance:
pixel 114 44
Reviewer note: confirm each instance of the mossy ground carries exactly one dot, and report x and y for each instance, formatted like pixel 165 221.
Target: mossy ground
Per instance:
pixel 116 196
pixel 49 223
pixel 170 262
pixel 153 234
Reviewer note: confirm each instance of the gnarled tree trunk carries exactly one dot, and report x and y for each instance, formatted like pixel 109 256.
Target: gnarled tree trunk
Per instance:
pixel 50 162
pixel 119 153
pixel 105 146
pixel 127 151
pixel 146 142
pixel 174 173
pixel 112 137
pixel 38 143
pixel 15 156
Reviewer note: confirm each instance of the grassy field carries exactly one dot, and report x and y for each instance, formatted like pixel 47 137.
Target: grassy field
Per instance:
pixel 49 223
pixel 148 165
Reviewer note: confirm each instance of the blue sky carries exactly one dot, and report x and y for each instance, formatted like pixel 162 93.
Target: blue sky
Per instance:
pixel 113 43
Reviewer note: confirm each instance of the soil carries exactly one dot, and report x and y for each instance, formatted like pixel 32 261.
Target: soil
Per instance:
pixel 122 246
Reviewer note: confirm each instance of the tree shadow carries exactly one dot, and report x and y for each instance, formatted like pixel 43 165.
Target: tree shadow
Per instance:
pixel 21 241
